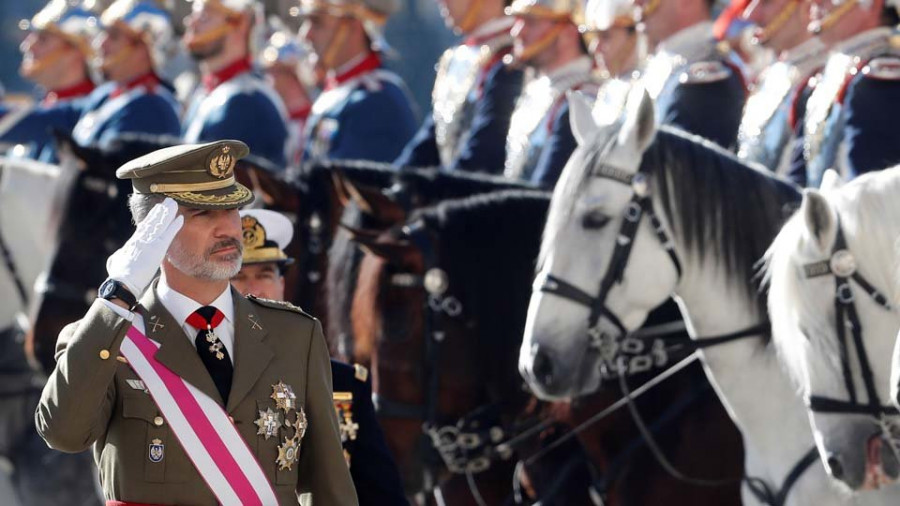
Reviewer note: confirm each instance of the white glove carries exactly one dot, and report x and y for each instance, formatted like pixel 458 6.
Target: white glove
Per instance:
pixel 135 263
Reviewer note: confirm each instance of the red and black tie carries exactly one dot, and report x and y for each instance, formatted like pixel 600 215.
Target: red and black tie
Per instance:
pixel 210 348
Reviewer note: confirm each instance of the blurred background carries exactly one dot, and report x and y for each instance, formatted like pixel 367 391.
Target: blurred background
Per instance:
pixel 417 35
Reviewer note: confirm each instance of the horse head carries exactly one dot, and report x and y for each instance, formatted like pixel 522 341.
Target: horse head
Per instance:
pixel 594 238
pixel 834 320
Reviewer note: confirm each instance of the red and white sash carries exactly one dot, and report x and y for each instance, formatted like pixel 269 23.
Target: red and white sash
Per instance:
pixel 202 427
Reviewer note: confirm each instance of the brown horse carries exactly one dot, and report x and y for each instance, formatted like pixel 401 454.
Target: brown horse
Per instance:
pixel 440 309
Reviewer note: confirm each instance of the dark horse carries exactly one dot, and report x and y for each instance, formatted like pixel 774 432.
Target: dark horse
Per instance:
pixel 440 307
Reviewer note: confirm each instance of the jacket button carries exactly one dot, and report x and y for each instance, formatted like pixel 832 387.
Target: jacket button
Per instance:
pixel 104 354
pixel 158 421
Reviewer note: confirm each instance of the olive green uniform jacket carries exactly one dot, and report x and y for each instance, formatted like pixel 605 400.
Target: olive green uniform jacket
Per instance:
pixel 88 400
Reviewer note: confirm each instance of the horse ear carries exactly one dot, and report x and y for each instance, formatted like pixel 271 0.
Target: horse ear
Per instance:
pixel 820 219
pixel 372 201
pixel 581 120
pixel 640 119
pixel 831 180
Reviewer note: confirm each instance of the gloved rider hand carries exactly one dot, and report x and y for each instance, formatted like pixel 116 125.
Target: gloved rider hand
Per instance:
pixel 136 262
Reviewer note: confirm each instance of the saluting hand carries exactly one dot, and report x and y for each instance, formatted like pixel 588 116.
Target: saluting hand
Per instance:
pixel 136 262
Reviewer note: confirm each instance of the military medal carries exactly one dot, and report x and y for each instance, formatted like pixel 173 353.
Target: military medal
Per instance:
pixel 216 345
pixel 287 454
pixel 343 406
pixel 157 451
pixel 284 397
pixel 268 422
pixel 300 424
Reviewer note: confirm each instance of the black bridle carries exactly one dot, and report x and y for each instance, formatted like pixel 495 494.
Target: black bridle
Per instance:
pixel 842 266
pixel 639 206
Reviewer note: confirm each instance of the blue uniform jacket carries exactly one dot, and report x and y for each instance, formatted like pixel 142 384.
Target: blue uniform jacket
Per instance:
pixel 244 108
pixel 372 468
pixel 368 117
pixel 483 144
pixel 558 147
pixel 96 120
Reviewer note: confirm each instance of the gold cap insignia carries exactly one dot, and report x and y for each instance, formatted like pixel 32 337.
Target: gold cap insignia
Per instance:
pixel 254 233
pixel 221 165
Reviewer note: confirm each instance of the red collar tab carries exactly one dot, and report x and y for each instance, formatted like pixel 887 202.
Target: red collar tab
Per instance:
pixel 211 81
pixel 368 64
pixel 148 81
pixel 300 113
pixel 79 90
pixel 197 321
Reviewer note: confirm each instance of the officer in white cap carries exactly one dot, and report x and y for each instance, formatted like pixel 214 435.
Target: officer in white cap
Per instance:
pixel 266 234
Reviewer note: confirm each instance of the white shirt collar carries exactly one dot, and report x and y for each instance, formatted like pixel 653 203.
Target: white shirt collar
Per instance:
pixel 182 306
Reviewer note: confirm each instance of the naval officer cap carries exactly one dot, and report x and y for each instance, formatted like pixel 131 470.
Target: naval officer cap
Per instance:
pixel 194 175
pixel 266 234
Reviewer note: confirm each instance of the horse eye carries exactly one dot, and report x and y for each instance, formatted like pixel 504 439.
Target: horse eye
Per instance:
pixel 594 219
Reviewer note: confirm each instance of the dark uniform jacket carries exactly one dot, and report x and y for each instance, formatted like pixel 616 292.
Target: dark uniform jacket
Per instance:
pixel 696 85
pixel 473 99
pixel 92 400
pixel 851 114
pixel 372 467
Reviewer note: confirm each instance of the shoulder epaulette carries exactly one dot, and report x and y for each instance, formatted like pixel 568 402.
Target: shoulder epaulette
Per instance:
pixel 885 68
pixel 705 72
pixel 278 304
pixel 360 372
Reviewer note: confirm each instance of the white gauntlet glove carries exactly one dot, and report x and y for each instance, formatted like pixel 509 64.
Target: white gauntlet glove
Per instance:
pixel 135 264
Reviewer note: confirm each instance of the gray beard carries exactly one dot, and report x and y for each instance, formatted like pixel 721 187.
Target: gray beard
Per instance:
pixel 203 267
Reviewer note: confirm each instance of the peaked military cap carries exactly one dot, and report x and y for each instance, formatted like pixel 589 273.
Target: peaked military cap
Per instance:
pixel 266 234
pixel 194 175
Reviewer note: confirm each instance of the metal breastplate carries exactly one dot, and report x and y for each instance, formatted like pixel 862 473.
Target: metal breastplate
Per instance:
pixel 455 92
pixel 528 128
pixel 765 129
pixel 823 124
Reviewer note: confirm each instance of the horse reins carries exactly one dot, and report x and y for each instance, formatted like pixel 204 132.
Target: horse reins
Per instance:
pixel 842 266
pixel 639 206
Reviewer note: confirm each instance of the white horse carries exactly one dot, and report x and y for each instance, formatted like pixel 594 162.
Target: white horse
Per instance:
pixel 30 192
pixel 832 304
pixel 709 218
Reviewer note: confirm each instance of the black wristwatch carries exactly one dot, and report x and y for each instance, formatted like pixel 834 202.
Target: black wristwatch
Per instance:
pixel 112 289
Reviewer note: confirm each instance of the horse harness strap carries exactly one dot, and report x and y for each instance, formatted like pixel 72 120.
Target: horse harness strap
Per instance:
pixel 761 490
pixel 842 266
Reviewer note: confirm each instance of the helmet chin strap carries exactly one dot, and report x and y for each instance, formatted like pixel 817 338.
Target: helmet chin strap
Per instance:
pixel 468 22
pixel 537 47
pixel 765 33
pixel 833 17
pixel 649 9
pixel 335 45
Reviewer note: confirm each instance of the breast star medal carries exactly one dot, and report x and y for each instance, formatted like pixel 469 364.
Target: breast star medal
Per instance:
pixel 284 397
pixel 300 424
pixel 287 454
pixel 268 422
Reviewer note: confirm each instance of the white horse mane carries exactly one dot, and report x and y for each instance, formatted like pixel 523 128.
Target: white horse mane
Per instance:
pixel 869 210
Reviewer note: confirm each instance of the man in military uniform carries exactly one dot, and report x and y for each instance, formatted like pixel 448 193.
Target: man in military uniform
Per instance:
pixel 365 111
pixel 233 101
pixel 691 77
pixel 134 101
pixel 850 116
pixel 777 103
pixel 546 40
pixel 474 94
pixel 55 56
pixel 610 30
pixel 289 69
pixel 191 393
pixel 375 475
